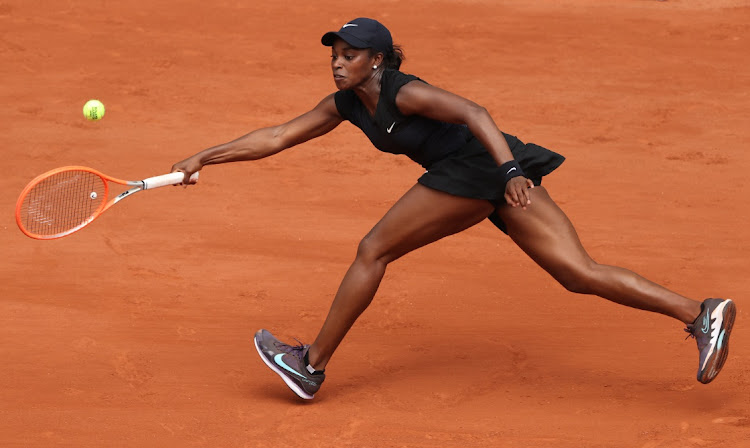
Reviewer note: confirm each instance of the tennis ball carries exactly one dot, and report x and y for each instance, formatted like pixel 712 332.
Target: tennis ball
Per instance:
pixel 93 110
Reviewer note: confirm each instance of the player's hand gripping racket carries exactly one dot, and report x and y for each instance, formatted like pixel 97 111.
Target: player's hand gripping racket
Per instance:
pixel 64 200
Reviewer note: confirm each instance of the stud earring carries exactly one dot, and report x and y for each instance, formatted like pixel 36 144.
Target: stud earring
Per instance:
pixel 374 67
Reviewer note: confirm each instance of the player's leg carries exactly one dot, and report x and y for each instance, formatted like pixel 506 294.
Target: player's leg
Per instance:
pixel 546 234
pixel 421 216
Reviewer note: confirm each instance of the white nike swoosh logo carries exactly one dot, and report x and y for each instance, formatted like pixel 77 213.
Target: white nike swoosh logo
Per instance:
pixel 277 359
pixel 349 24
pixel 717 316
pixel 512 169
pixel 391 128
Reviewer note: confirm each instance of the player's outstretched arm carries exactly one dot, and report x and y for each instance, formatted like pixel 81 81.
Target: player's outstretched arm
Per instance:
pixel 267 141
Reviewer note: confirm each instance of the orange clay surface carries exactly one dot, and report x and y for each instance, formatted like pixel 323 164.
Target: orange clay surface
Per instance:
pixel 137 331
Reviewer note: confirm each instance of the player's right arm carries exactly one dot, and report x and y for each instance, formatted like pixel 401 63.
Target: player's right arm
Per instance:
pixel 265 142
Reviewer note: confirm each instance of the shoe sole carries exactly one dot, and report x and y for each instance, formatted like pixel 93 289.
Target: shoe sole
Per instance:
pixel 292 385
pixel 714 367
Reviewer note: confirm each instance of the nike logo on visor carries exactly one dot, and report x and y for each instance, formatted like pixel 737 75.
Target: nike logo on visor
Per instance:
pixel 349 24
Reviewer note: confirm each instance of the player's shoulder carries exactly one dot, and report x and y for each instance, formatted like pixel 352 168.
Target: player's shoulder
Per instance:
pixel 346 102
pixel 345 98
pixel 392 79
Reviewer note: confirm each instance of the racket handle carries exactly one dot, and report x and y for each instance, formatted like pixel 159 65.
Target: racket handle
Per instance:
pixel 167 179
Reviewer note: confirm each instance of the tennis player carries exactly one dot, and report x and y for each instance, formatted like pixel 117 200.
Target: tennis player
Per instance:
pixel 473 172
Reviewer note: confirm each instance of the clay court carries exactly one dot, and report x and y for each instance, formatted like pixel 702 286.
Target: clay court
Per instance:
pixel 137 331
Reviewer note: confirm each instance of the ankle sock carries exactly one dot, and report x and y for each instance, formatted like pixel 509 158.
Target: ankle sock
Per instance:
pixel 310 369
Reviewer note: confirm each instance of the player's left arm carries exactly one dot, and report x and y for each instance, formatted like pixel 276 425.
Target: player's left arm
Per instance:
pixel 419 98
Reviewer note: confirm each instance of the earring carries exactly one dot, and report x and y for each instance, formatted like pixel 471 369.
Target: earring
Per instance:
pixel 374 67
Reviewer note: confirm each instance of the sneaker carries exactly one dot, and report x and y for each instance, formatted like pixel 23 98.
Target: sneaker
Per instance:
pixel 290 363
pixel 711 331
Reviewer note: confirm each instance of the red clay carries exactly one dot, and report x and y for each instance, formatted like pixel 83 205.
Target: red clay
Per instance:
pixel 137 330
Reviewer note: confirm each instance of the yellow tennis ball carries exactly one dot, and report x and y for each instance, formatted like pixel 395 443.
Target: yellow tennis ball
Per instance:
pixel 93 110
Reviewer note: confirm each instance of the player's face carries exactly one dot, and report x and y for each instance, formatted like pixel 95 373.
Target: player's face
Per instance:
pixel 351 66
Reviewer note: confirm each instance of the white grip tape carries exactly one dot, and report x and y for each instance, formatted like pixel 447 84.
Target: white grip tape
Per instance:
pixel 167 179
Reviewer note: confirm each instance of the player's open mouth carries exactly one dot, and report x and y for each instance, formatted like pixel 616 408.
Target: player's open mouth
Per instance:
pixel 338 77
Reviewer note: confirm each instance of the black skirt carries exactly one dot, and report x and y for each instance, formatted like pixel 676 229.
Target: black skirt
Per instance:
pixel 473 173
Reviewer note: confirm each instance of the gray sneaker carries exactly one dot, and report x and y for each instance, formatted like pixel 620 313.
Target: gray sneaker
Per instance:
pixel 711 331
pixel 290 363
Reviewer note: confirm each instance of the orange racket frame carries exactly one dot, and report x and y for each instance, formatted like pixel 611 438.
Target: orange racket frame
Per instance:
pixel 39 212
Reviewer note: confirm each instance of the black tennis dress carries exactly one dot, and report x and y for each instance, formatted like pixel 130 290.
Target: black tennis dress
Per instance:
pixel 456 162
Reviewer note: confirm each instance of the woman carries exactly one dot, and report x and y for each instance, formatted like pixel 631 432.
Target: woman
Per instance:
pixel 474 172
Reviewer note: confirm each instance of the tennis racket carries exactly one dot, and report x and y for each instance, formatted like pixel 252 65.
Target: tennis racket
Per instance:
pixel 64 200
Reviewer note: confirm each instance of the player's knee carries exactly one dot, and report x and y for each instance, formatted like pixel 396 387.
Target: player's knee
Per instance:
pixel 370 250
pixel 579 280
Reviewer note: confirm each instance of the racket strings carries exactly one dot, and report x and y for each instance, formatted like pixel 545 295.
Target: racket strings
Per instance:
pixel 62 202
